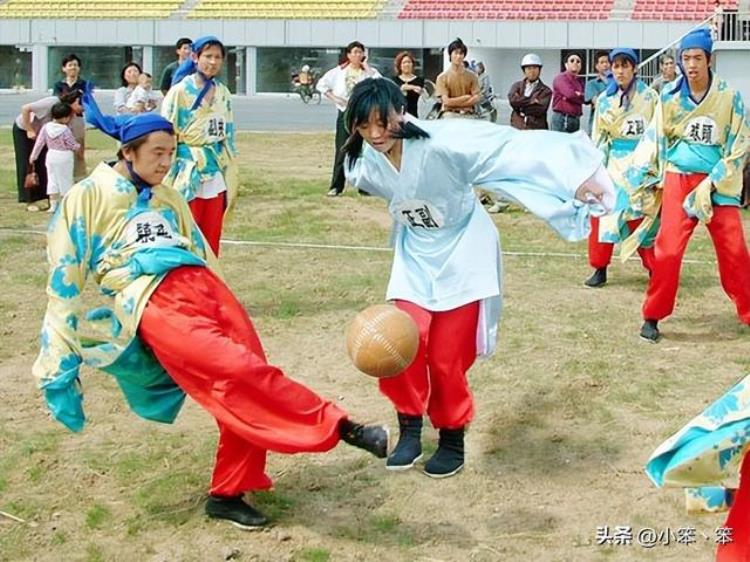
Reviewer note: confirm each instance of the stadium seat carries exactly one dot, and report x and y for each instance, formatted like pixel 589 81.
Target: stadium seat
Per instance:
pixel 89 9
pixel 507 9
pixel 287 9
pixel 677 10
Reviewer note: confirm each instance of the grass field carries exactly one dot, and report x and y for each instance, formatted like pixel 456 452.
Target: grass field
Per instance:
pixel 568 410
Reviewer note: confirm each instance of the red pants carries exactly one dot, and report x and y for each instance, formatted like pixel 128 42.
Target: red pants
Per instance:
pixel 674 234
pixel 208 214
pixel 436 381
pixel 600 253
pixel 204 339
pixel 738 521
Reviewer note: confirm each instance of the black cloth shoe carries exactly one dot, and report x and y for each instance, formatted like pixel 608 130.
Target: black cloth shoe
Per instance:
pixel 409 447
pixel 371 438
pixel 649 331
pixel 449 457
pixel 598 278
pixel 236 511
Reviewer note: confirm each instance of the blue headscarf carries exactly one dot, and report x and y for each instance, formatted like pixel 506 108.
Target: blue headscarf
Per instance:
pixel 612 85
pixel 697 39
pixel 188 67
pixel 125 128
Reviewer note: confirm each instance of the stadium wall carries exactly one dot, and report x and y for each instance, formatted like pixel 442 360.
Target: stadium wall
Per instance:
pixel 500 44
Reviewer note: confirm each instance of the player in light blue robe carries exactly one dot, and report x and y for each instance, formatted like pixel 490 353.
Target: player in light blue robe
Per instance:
pixel 447 251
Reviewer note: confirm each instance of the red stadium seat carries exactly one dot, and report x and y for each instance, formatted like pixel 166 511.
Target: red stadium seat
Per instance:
pixel 677 10
pixel 508 9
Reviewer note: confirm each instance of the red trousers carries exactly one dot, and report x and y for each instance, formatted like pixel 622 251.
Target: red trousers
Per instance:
pixel 674 234
pixel 208 214
pixel 204 339
pixel 436 381
pixel 600 253
pixel 738 521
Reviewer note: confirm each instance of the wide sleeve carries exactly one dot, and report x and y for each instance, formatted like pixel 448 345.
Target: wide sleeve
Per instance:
pixel 540 170
pixel 57 368
pixel 726 175
pixel 644 166
pixel 170 107
pixel 231 132
pixel 365 175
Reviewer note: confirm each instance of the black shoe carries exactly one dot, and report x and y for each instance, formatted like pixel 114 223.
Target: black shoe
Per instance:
pixel 371 438
pixel 236 511
pixel 449 457
pixel 649 331
pixel 363 193
pixel 598 278
pixel 409 447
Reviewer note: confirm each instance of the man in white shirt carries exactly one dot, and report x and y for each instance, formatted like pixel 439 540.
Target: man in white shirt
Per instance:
pixel 337 85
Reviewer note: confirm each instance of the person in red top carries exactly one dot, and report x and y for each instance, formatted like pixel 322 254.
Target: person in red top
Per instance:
pixel 567 97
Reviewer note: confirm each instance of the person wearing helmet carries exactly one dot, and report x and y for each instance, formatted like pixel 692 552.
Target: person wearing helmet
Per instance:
pixel 305 79
pixel 688 169
pixel 622 112
pixel 530 97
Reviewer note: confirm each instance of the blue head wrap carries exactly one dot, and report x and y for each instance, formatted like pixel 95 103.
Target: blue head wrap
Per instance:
pixel 188 67
pixel 612 85
pixel 697 39
pixel 124 128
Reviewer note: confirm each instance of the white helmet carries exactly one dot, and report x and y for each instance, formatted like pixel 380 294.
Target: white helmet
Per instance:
pixel 306 68
pixel 532 59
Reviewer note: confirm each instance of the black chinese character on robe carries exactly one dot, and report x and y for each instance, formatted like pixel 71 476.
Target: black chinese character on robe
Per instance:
pixel 144 232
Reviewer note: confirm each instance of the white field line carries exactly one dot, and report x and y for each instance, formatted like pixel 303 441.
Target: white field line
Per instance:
pixel 303 245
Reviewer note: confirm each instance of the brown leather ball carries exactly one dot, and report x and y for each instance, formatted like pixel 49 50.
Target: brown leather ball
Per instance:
pixel 382 340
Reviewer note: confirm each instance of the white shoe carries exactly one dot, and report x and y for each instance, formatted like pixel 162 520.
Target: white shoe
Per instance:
pixel 498 207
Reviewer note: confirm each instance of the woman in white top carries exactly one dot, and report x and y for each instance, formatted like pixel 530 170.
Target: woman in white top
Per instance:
pixel 337 85
pixel 129 76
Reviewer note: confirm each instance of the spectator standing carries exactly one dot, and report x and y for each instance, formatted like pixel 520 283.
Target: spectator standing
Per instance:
pixel 337 85
pixel 411 84
pixel 183 48
pixel 129 77
pixel 457 87
pixel 26 127
pixel 596 85
pixel 567 97
pixel 668 72
pixel 58 139
pixel 530 97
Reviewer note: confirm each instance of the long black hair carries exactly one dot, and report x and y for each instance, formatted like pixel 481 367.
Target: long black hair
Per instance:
pixel 385 97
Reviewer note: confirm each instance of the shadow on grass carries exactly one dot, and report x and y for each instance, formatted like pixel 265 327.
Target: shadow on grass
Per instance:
pixel 532 438
pixel 350 504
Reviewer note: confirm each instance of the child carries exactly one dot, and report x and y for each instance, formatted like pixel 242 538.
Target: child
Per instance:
pixel 60 143
pixel 143 97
